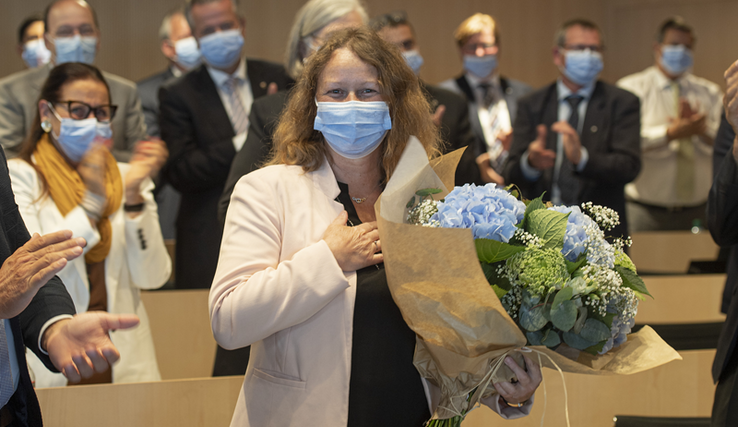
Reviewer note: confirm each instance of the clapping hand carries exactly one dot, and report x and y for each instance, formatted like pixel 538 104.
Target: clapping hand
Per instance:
pixel 147 159
pixel 689 122
pixel 92 169
pixel 539 156
pixel 32 265
pixel 80 346
pixel 570 138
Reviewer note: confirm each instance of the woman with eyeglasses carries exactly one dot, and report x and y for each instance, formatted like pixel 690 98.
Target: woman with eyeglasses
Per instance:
pixel 66 178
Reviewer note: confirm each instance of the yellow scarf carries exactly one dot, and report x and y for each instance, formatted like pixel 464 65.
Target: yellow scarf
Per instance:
pixel 66 189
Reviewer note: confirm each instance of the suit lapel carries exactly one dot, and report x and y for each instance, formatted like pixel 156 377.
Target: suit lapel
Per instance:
pixel 550 115
pixel 209 98
pixel 259 81
pixel 594 120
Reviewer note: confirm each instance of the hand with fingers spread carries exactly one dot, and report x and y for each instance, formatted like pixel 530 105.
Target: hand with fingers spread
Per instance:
pixel 81 346
pixel 32 265
pixel 570 138
pixel 529 378
pixel 539 156
pixel 354 247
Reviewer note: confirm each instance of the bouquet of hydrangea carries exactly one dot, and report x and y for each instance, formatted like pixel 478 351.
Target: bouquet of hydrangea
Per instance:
pixel 559 290
pixel 551 266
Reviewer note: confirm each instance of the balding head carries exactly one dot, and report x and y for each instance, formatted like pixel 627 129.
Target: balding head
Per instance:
pixel 65 19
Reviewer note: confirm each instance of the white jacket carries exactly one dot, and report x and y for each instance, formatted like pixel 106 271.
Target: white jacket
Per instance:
pixel 279 289
pixel 137 260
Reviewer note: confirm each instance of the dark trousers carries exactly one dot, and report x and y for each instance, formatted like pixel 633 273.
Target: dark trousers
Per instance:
pixel 231 362
pixel 725 407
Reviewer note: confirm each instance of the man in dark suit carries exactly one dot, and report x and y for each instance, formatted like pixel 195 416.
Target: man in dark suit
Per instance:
pixel 722 218
pixel 181 50
pixel 450 111
pixel 204 119
pixel 577 139
pixel 37 312
pixel 492 98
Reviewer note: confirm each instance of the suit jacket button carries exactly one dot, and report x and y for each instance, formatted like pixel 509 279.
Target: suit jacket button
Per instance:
pixel 593 129
pixel 263 85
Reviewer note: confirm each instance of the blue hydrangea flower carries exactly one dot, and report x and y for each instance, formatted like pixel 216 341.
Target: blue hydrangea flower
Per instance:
pixel 620 331
pixel 491 212
pixel 576 231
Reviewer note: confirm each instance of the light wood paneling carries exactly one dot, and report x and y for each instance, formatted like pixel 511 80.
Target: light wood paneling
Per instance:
pixel 180 327
pixel 205 402
pixel 130 45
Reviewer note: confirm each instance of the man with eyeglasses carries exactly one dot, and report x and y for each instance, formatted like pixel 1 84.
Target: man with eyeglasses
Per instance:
pixel 680 118
pixel 450 111
pixel 204 121
pixel 492 98
pixel 577 139
pixel 72 35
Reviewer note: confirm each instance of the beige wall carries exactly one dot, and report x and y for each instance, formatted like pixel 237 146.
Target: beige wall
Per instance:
pixel 130 46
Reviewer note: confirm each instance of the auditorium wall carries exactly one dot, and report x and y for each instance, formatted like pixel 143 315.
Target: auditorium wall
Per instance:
pixel 130 46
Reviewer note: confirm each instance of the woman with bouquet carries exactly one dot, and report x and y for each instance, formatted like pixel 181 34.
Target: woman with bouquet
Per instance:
pixel 300 275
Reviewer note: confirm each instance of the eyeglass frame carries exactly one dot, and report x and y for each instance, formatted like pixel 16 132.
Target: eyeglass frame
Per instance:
pixel 113 110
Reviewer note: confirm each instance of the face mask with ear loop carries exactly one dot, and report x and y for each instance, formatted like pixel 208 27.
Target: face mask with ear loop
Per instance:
pixel 353 129
pixel 76 136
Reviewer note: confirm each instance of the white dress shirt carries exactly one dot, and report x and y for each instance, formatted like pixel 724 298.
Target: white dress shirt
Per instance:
pixel 220 78
pixel 563 92
pixel 656 184
pixel 495 118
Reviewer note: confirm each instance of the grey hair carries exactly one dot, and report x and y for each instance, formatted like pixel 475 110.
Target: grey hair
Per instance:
pixel 190 3
pixel 165 30
pixel 560 37
pixel 311 18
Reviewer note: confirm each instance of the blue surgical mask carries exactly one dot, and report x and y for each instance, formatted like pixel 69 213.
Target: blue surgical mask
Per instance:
pixel 35 53
pixel 222 49
pixel 676 59
pixel 480 66
pixel 582 66
pixel 414 60
pixel 353 129
pixel 188 54
pixel 75 49
pixel 76 136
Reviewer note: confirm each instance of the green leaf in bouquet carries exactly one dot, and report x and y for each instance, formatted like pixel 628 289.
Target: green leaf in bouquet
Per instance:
pixel 533 318
pixel 595 349
pixel 530 206
pixel 639 296
pixel 410 203
pixel 551 338
pixel 606 319
pixel 499 291
pixel 427 192
pixel 595 331
pixel 631 280
pixel 549 226
pixel 576 341
pixel 563 295
pixel 491 251
pixel 581 318
pixel 564 315
pixel 535 337
pixel 574 266
pixel 494 278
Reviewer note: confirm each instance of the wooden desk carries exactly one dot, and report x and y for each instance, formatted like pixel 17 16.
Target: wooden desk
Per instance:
pixel 206 402
pixel 693 298
pixel 671 251
pixel 180 327
pixel 679 389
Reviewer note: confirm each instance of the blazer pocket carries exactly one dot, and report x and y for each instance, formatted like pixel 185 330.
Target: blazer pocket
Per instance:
pixel 279 378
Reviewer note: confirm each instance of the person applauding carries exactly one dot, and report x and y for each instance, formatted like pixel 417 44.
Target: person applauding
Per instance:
pixel 66 178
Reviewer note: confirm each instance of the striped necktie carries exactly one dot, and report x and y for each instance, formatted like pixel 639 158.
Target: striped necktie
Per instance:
pixel 239 118
pixel 6 376
pixel 685 158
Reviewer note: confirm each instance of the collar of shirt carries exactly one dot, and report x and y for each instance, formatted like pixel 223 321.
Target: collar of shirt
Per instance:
pixel 563 91
pixel 664 82
pixel 493 81
pixel 175 71
pixel 221 77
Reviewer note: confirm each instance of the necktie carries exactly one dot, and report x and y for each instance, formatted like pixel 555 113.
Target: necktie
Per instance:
pixel 488 95
pixel 685 158
pixel 6 376
pixel 568 182
pixel 239 118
